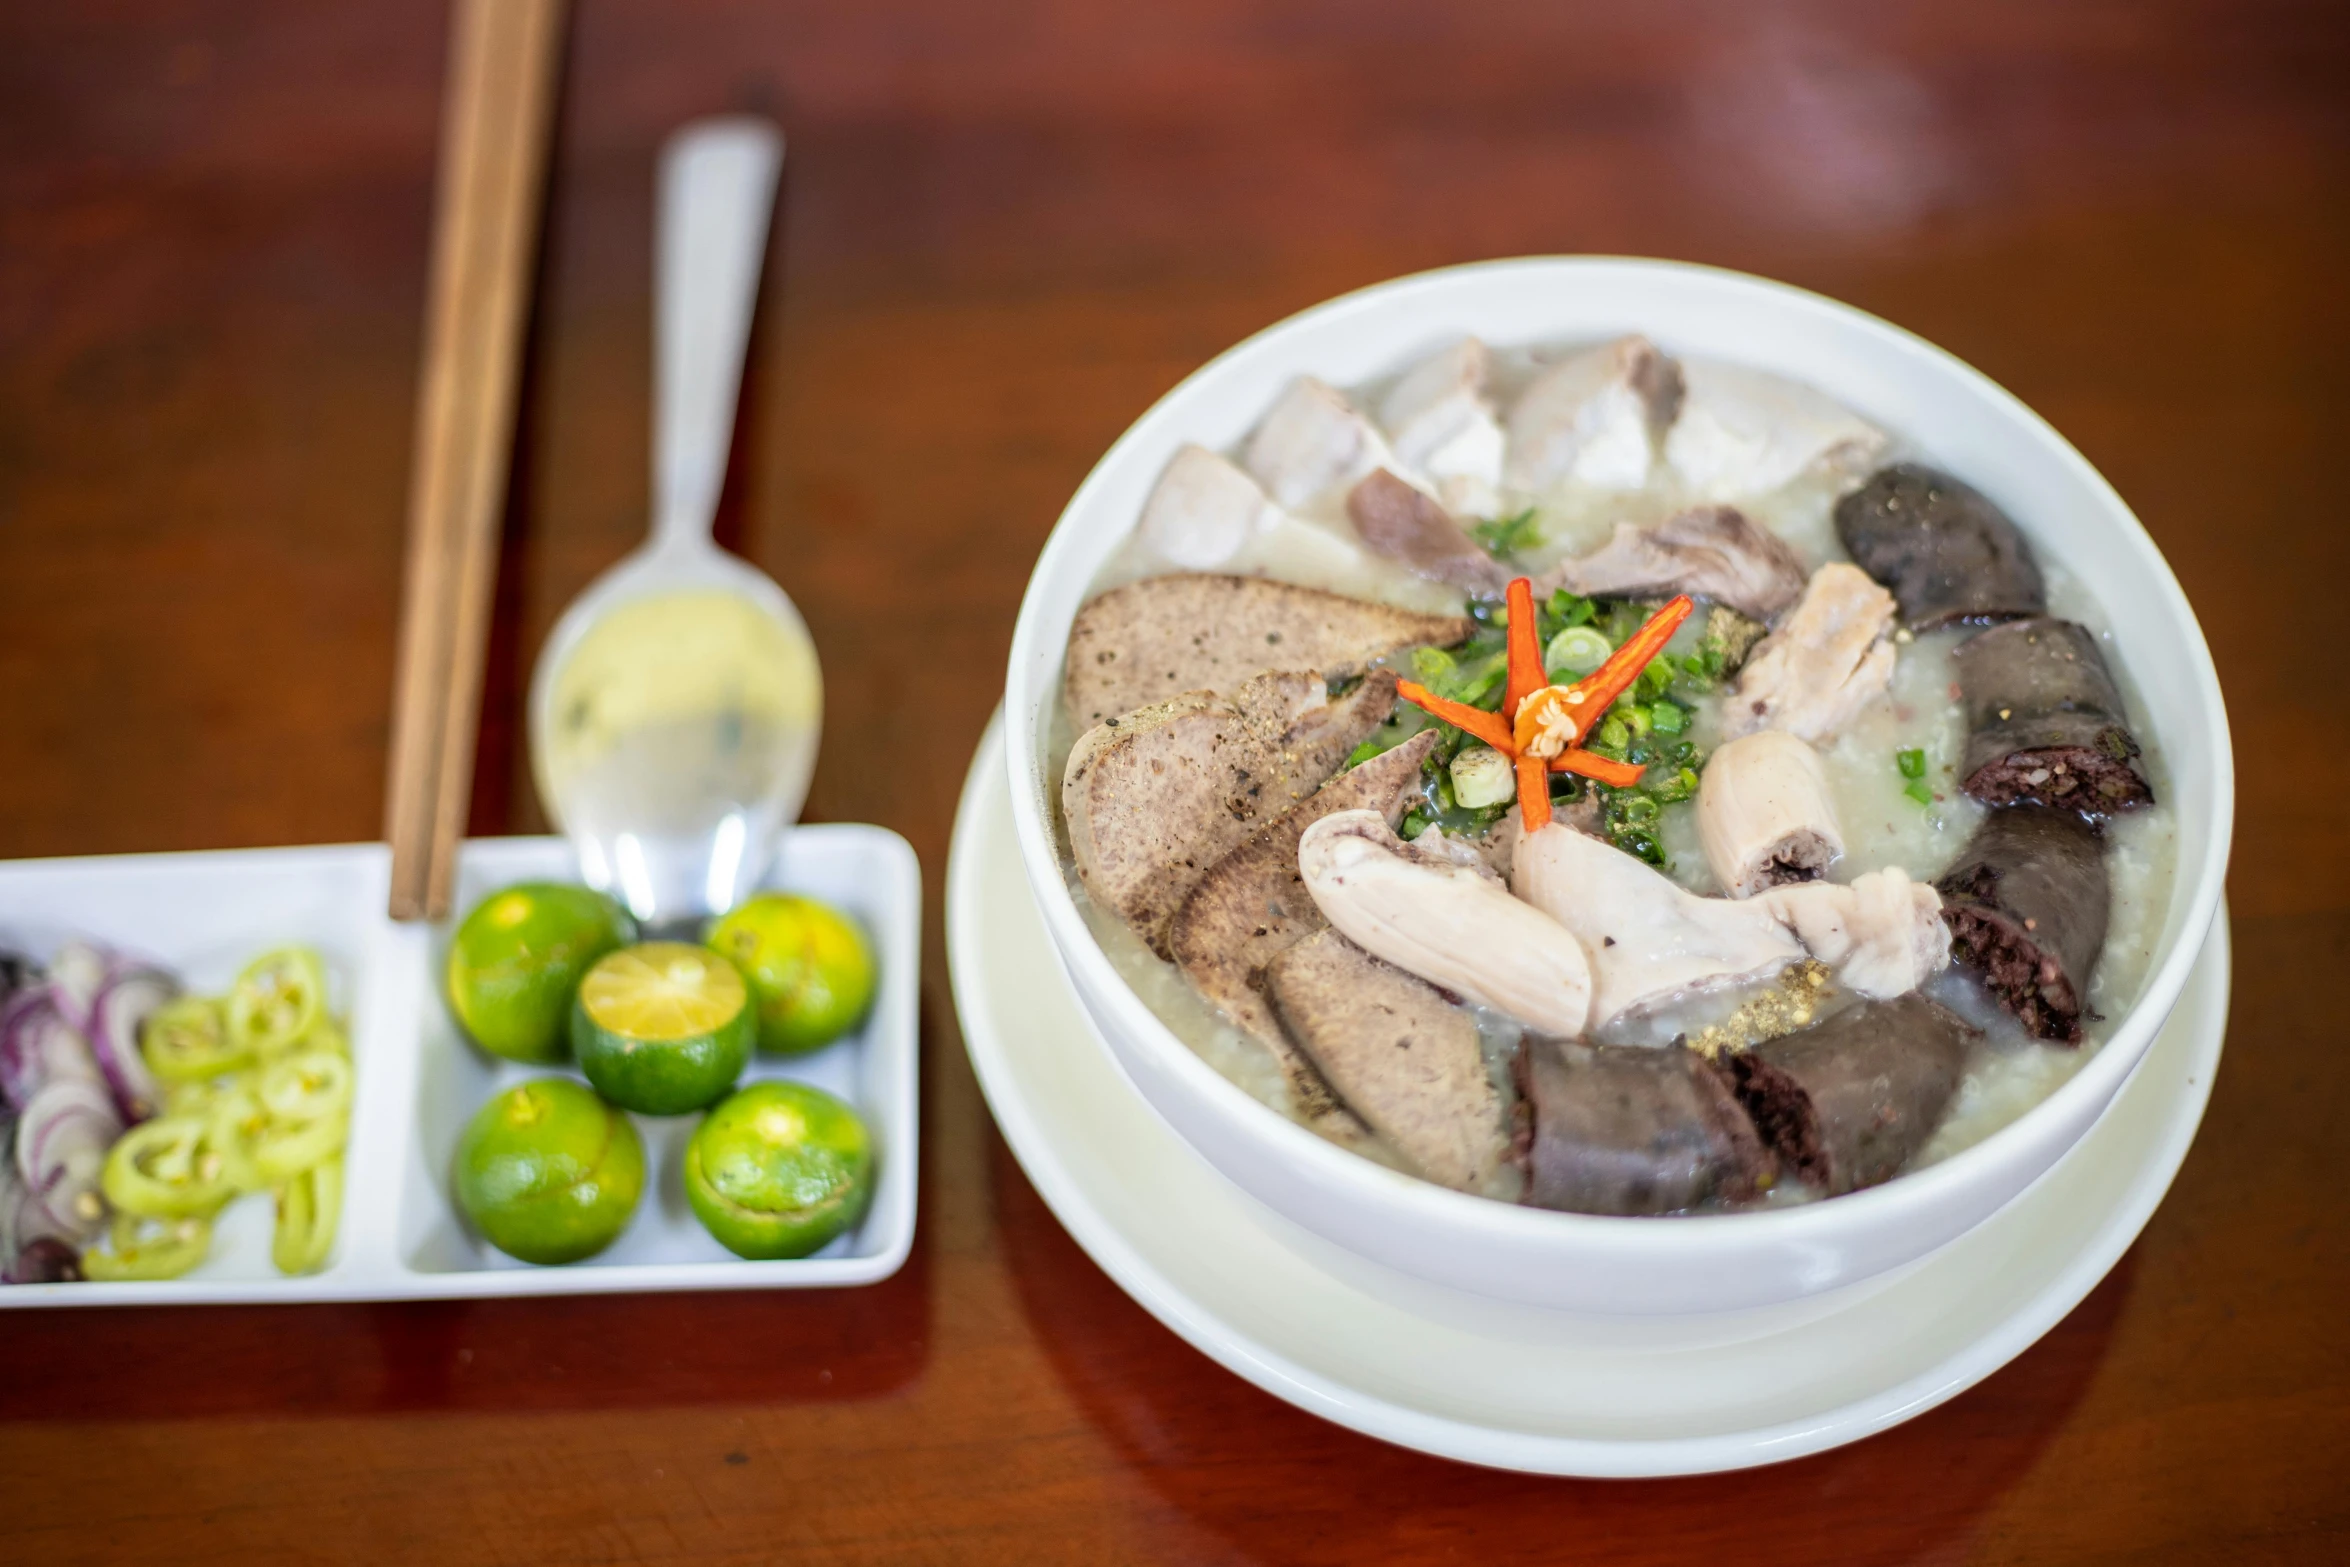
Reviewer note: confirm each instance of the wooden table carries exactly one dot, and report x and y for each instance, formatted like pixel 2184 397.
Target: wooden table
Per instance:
pixel 1006 230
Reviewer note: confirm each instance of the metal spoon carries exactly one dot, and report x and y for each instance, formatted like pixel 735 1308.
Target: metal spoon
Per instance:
pixel 676 707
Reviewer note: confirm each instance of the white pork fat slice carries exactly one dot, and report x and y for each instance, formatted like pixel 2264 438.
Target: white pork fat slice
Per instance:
pixel 1743 433
pixel 1312 442
pixel 1204 511
pixel 1442 423
pixel 1593 418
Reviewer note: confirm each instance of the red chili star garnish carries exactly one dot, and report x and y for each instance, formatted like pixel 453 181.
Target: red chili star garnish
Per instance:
pixel 1533 711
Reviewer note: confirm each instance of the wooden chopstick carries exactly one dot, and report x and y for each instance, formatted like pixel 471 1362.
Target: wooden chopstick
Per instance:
pixel 503 56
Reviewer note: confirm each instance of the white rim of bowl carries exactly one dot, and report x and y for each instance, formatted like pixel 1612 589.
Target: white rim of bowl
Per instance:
pixel 2094 1083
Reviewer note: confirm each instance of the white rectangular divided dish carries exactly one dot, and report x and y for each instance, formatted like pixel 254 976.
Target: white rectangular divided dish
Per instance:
pixel 419 1080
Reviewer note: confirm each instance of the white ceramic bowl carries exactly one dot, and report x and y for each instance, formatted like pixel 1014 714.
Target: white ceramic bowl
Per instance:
pixel 1959 420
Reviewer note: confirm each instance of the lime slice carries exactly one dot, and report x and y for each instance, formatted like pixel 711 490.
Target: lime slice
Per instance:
pixel 549 1173
pixel 662 1028
pixel 809 964
pixel 778 1170
pixel 516 962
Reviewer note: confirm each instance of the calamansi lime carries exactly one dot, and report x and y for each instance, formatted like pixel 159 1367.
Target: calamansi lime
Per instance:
pixel 550 1173
pixel 518 957
pixel 778 1170
pixel 809 963
pixel 662 1027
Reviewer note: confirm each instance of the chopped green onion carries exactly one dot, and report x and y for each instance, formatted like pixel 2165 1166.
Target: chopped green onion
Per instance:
pixel 1921 791
pixel 1482 776
pixel 1615 734
pixel 1571 610
pixel 1576 651
pixel 1414 824
pixel 1913 763
pixel 1507 535
pixel 1670 718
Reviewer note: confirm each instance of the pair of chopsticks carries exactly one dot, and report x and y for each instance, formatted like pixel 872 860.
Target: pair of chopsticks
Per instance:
pixel 494 134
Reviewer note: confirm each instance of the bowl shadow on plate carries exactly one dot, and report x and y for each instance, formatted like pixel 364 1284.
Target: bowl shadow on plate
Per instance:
pixel 1929 1480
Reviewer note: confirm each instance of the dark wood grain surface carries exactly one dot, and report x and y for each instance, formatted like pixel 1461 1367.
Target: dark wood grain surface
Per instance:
pixel 1006 230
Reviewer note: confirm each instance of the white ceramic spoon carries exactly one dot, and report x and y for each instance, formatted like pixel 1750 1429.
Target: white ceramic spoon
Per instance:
pixel 675 709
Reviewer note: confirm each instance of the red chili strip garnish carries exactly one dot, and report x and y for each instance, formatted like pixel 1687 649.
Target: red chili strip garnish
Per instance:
pixel 1613 678
pixel 1606 770
pixel 1533 793
pixel 1487 727
pixel 1525 645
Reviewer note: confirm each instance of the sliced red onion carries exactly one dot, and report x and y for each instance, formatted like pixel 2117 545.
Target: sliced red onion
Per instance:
pixel 122 1006
pixel 38 1047
pixel 47 1260
pixel 76 975
pixel 60 1150
pixel 12 1194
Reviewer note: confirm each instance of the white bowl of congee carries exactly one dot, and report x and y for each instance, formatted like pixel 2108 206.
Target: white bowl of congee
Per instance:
pixel 1616 785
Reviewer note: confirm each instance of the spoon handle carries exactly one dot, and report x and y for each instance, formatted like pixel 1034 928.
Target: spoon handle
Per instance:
pixel 717 188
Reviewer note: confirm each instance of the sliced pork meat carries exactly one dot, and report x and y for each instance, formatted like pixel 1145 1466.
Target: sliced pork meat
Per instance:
pixel 1408 525
pixel 1652 942
pixel 2028 903
pixel 1312 441
pixel 1847 1103
pixel 1452 924
pixel 1252 905
pixel 1712 552
pixel 1618 1129
pixel 1156 797
pixel 1204 510
pixel 1949 555
pixel 1826 661
pixel 2047 721
pixel 1594 418
pixel 1157 638
pixel 1764 815
pixel 1742 433
pixel 1398 1054
pixel 1441 419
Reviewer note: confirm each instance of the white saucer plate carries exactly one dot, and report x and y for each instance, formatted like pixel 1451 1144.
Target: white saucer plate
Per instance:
pixel 1509 1386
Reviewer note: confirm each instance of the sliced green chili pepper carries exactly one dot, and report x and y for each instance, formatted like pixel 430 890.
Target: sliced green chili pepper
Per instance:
pixel 236 1125
pixel 188 1041
pixel 147 1249
pixel 309 1207
pixel 277 999
pixel 306 1086
pixel 166 1169
pixel 326 1034
pixel 287 1148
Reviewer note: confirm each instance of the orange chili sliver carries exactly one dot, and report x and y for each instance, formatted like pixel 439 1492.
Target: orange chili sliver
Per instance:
pixel 1525 645
pixel 1533 793
pixel 1613 678
pixel 1487 727
pixel 1590 764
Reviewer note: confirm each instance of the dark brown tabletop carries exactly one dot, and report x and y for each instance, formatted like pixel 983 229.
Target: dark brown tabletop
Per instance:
pixel 1006 230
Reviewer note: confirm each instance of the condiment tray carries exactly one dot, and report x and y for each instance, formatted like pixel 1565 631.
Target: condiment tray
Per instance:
pixel 203 915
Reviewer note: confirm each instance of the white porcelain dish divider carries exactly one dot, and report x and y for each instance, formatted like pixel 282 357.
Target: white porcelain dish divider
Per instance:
pixel 401 1237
